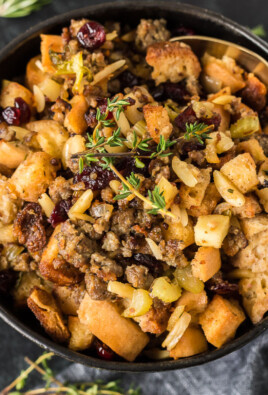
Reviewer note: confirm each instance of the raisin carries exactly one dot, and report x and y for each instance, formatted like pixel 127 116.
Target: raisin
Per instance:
pixel 91 35
pixel 221 287
pixel 155 267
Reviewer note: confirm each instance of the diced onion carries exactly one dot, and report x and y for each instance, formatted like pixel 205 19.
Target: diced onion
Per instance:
pixel 183 172
pixel 177 313
pixel 140 128
pixel 47 204
pixel 141 303
pixel 165 290
pixel 121 289
pixel 227 190
pixel 178 330
pixel 115 185
pixel 50 88
pixel 13 251
pixel 224 99
pixel 155 249
pixel 39 98
pixel 108 71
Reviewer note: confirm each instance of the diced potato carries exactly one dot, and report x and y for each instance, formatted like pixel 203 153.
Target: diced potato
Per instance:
pixel 252 226
pixel 191 343
pixel 141 303
pixel 177 331
pixel 121 289
pixel 221 320
pixel 176 231
pixel 33 176
pixel 81 337
pixel 75 119
pixel 186 280
pixel 51 136
pixel 242 172
pixel 34 75
pixel 12 153
pixel 227 190
pixel 254 292
pixel 206 263
pixel 72 146
pixel 194 196
pixel 157 121
pixel 13 90
pixel 253 147
pixel 244 127
pixel 7 235
pixel 208 204
pixel 185 171
pixel 125 338
pixel 169 190
pixel 211 230
pixel 50 42
pixel 163 289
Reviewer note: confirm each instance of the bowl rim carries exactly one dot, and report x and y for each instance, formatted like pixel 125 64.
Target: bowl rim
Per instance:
pixel 63 351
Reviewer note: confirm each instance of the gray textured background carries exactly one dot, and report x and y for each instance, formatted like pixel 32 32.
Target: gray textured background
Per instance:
pixel 244 372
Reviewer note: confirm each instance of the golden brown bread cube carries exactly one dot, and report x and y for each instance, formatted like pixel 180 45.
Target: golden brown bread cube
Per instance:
pixel 121 334
pixel 254 292
pixel 206 263
pixel 13 90
pixel 254 94
pixel 191 343
pixel 33 176
pixel 34 75
pixel 252 226
pixel 48 43
pixel 12 153
pixel 253 147
pixel 157 121
pixel 28 281
pixel 193 196
pixel 220 320
pixel 69 298
pixel 242 172
pixel 81 337
pixel 174 61
pixel 64 274
pixel 250 209
pixel 75 119
pixel 9 202
pixel 176 231
pixel 209 202
pixel 263 196
pixel 195 304
pixel 48 314
pixel 255 256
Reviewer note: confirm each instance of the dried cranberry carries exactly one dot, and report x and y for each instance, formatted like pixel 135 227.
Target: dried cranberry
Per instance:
pixel 158 93
pixel 18 114
pixel 170 90
pixel 189 116
pixel 103 351
pixel 90 117
pixel 128 165
pixel 102 104
pixel 193 145
pixel 183 31
pixel 60 212
pixel 154 266
pixel 94 177
pixel 128 80
pixel 7 280
pixel 91 35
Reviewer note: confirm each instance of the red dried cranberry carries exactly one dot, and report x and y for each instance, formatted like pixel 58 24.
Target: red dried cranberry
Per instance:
pixel 102 104
pixel 25 112
pixel 91 35
pixel 154 266
pixel 94 177
pixel 170 90
pixel 60 212
pixel 128 165
pixel 103 351
pixel 189 116
pixel 90 117
pixel 128 80
pixel 183 31
pixel 7 280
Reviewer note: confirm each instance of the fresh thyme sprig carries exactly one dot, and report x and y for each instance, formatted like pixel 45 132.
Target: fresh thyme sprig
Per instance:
pixel 19 8
pixel 118 105
pixel 157 199
pixel 125 192
pixel 198 131
pixel 88 388
pixel 162 147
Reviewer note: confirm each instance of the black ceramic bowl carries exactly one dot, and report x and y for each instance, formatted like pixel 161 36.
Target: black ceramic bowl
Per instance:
pixel 13 59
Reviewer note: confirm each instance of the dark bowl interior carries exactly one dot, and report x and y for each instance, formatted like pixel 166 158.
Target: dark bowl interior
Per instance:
pixel 13 59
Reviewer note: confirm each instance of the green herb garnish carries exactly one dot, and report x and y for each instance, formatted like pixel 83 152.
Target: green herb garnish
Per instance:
pixel 19 8
pixel 157 199
pixel 198 131
pixel 259 31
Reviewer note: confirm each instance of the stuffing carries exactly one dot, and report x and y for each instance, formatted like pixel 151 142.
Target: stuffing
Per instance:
pixel 13 90
pixel 206 263
pixel 250 209
pixel 252 226
pixel 191 343
pixel 150 31
pixel 157 121
pixel 81 337
pixel 193 196
pixel 75 119
pixel 174 61
pixel 69 297
pixel 9 203
pixel 208 204
pixel 254 93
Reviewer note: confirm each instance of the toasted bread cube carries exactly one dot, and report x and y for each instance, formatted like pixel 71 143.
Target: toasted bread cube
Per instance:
pixel 253 147
pixel 50 42
pixel 191 343
pixel 211 230
pixel 194 304
pixel 176 231
pixel 121 334
pixel 12 153
pixel 206 263
pixel 193 196
pixel 174 61
pixel 51 136
pixel 255 256
pixel 228 190
pixel 34 75
pixel 13 90
pixel 48 314
pixel 263 196
pixel 254 94
pixel 157 121
pixel 209 202
pixel 75 119
pixel 242 172
pixel 28 281
pixel 250 209
pixel 220 320
pixel 9 203
pixel 69 298
pixel 81 337
pixel 225 117
pixel 254 292
pixel 169 190
pixel 252 226
pixel 33 176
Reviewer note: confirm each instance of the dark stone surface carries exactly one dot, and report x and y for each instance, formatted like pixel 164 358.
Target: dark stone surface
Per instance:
pixel 14 347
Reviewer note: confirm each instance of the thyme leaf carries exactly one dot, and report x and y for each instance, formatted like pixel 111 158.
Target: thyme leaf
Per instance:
pixel 198 131
pixel 20 8
pixel 157 199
